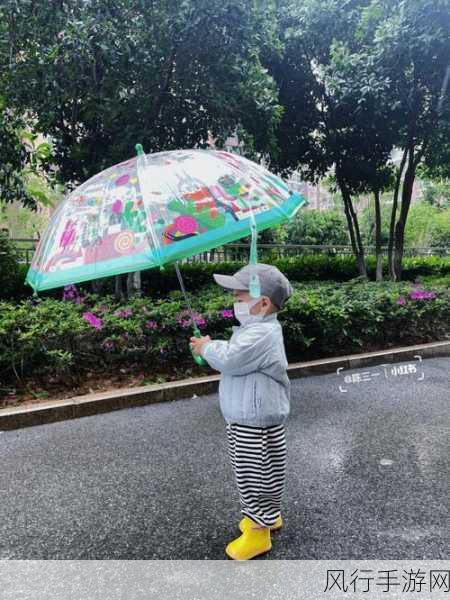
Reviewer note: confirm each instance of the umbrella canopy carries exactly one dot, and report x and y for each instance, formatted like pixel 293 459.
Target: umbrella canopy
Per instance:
pixel 155 209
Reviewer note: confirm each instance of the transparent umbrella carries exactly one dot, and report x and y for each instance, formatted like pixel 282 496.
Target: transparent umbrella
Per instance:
pixel 156 209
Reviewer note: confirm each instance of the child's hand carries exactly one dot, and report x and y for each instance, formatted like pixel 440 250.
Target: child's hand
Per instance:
pixel 198 343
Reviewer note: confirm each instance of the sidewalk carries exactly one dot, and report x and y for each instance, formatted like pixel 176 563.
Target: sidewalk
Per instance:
pixel 91 404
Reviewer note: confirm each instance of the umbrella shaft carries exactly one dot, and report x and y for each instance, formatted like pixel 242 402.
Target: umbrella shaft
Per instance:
pixel 180 279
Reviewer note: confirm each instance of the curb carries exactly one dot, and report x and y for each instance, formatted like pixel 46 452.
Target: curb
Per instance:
pixel 92 404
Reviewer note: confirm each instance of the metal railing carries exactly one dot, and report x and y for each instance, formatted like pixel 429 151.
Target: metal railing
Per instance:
pixel 25 248
pixel 240 252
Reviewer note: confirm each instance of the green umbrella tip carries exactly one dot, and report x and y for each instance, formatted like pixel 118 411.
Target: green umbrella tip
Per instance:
pixel 139 149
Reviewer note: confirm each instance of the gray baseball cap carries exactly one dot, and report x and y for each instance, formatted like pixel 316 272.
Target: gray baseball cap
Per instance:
pixel 272 281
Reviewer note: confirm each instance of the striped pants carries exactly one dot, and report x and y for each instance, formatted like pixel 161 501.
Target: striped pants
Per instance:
pixel 258 457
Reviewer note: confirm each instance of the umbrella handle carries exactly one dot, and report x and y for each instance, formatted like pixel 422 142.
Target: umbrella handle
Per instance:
pixel 198 359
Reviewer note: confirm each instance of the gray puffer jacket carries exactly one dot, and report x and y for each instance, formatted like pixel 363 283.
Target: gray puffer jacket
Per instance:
pixel 254 387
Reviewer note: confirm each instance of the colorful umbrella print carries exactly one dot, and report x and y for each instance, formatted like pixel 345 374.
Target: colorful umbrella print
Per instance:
pixel 156 209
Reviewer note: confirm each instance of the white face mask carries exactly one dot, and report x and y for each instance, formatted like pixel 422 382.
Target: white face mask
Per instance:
pixel 242 312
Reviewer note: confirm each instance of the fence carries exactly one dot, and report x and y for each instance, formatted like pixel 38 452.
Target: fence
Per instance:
pixel 240 252
pixel 231 252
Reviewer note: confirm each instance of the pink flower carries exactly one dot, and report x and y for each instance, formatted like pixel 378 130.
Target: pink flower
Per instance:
pixel 227 313
pixel 71 293
pixel 187 322
pixel 151 325
pixel 422 295
pixel 401 300
pixel 93 320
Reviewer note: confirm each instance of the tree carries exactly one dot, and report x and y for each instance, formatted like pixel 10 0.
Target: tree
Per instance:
pixel 358 79
pixel 407 55
pixel 98 76
pixel 330 122
pixel 318 228
pixel 14 154
pixel 14 160
pixel 435 169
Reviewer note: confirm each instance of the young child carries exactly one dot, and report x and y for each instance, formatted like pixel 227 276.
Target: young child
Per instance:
pixel 254 394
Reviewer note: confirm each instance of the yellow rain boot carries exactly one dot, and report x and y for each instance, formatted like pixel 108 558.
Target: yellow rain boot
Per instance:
pixel 250 544
pixel 246 522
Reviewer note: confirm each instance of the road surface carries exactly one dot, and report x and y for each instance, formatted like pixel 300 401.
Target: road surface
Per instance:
pixel 368 473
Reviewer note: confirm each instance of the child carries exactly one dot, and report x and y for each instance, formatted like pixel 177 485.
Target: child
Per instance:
pixel 254 394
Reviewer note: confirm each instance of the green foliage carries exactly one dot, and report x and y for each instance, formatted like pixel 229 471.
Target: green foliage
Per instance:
pixel 100 75
pixel 428 226
pixel 436 280
pixel 14 159
pixel 318 227
pixel 10 275
pixel 25 174
pixel 437 193
pixel 358 80
pixel 367 221
pixel 323 319
pixel 198 276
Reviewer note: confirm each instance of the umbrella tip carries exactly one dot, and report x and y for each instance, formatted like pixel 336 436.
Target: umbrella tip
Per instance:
pixel 139 149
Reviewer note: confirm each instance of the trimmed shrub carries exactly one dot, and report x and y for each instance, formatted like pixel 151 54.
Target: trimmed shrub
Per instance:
pixel 91 333
pixel 157 284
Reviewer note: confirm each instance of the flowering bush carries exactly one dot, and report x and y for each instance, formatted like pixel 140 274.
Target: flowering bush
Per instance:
pixel 93 320
pixel 422 295
pixel 319 320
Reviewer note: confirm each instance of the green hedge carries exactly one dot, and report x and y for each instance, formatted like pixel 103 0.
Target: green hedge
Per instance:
pixel 158 283
pixel 319 320
pixel 11 274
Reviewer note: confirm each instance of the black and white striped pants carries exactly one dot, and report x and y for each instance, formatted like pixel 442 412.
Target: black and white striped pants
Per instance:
pixel 258 457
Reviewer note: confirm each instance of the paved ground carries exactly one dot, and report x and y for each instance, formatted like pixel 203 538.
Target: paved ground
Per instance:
pixel 368 477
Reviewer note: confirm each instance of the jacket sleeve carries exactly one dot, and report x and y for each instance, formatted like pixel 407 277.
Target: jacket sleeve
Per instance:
pixel 241 356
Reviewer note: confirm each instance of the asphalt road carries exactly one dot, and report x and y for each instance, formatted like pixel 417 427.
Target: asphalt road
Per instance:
pixel 368 476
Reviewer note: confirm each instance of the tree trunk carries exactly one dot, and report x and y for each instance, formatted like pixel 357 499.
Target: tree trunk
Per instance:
pixel 394 216
pixel 360 258
pixel 379 258
pixel 134 284
pixel 118 288
pixel 97 286
pixel 353 228
pixel 401 223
